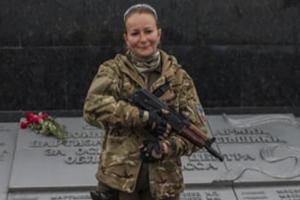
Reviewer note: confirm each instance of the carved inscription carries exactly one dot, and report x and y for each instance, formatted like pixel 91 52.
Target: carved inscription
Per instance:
pixel 4 129
pixel 289 194
pixel 25 198
pixel 3 155
pixel 71 197
pixel 79 148
pixel 8 134
pixel 6 142
pixel 71 163
pixel 3 145
pixel 278 192
pixel 54 196
pixel 205 161
pixel 200 196
pixel 254 195
pixel 245 136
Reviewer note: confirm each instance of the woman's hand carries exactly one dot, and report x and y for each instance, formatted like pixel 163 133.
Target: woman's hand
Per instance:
pixel 157 123
pixel 153 150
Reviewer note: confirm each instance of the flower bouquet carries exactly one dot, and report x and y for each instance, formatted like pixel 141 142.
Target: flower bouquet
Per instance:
pixel 42 123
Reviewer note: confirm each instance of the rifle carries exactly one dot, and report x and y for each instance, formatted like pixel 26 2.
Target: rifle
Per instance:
pixel 147 101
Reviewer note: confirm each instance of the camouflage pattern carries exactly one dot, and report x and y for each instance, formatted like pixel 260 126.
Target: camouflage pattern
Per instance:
pixel 107 104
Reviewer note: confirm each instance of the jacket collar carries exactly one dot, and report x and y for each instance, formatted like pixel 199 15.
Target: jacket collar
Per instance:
pixel 167 71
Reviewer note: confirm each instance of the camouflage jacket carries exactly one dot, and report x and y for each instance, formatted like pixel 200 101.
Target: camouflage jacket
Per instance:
pixel 105 104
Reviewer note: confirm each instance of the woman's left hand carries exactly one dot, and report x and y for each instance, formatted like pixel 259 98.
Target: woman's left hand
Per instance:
pixel 153 150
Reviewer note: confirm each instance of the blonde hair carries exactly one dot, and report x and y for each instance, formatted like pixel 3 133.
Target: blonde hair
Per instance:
pixel 140 8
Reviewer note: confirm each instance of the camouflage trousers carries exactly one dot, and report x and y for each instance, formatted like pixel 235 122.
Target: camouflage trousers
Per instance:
pixel 142 190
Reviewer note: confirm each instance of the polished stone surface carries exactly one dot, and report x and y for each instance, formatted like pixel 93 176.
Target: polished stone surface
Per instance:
pixel 211 193
pixel 57 78
pixel 48 78
pixel 262 148
pixel 57 164
pixel 261 153
pixel 239 54
pixel 8 134
pixel 279 192
pixel 54 195
pixel 257 152
pixel 208 193
pixel 54 23
pixel 265 147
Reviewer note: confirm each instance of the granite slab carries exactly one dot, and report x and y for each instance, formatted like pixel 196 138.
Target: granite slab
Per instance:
pixel 201 193
pixel 8 134
pixel 45 162
pixel 255 153
pixel 269 192
pixel 208 193
pixel 256 148
pixel 54 195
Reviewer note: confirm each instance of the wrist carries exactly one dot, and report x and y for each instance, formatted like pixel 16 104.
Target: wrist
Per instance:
pixel 165 148
pixel 169 147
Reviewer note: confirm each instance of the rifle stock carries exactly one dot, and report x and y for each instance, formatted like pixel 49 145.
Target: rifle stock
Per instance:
pixel 147 101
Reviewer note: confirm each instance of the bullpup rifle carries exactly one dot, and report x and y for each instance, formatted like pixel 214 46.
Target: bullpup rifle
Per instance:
pixel 180 124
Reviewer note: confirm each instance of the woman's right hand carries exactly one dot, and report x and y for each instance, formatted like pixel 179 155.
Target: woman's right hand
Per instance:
pixel 160 128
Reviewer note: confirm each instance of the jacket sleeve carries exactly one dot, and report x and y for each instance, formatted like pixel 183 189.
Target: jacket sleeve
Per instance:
pixel 102 104
pixel 190 107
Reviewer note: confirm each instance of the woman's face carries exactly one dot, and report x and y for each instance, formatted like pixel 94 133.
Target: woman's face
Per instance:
pixel 142 35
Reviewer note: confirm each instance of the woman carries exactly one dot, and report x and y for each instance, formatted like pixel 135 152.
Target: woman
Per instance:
pixel 140 156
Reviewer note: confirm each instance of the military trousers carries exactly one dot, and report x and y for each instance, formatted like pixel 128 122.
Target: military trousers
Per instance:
pixel 142 190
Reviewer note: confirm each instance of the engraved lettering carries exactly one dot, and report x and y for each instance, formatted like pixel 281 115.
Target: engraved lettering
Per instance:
pixel 71 197
pixel 89 151
pixel 248 139
pixel 86 159
pixel 54 152
pixel 3 154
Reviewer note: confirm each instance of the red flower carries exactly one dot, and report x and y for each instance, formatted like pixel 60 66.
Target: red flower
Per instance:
pixel 29 116
pixel 44 115
pixel 42 123
pixel 24 123
pixel 37 119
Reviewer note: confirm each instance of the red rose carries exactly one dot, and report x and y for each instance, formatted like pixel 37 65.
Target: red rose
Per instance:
pixel 35 119
pixel 44 115
pixel 29 116
pixel 24 124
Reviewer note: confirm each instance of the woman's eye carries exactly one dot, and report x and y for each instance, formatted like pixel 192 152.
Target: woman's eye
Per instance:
pixel 134 34
pixel 148 31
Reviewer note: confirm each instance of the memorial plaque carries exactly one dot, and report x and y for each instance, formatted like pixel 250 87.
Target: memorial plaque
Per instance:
pixel 3 196
pixel 254 152
pixel 278 128
pixel 218 193
pixel 269 193
pixel 258 148
pixel 201 167
pixel 208 193
pixel 249 164
pixel 43 161
pixel 80 195
pixel 8 134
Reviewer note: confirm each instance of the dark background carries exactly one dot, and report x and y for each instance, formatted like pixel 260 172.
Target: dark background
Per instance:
pixel 240 53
